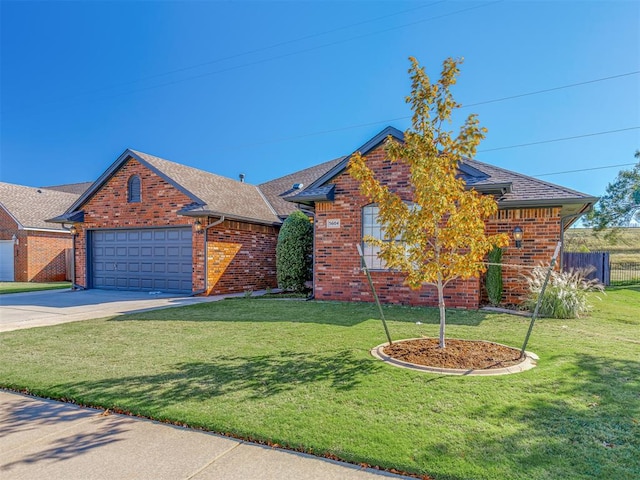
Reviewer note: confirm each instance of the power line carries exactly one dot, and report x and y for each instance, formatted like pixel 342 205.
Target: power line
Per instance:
pixel 255 50
pixel 583 169
pixel 298 52
pixel 405 117
pixel 558 139
pixel 547 90
pixel 318 47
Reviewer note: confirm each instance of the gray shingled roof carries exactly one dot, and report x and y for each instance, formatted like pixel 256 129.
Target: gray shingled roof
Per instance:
pixel 278 190
pixel 216 194
pixel 522 190
pixel 77 188
pixel 30 206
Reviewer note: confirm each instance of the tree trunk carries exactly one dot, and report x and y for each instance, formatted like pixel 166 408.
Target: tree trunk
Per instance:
pixel 442 311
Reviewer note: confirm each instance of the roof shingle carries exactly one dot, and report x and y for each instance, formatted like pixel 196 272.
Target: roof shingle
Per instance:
pixel 278 190
pixel 215 193
pixel 31 206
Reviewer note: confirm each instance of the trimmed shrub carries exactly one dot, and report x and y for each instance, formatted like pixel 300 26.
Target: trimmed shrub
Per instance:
pixel 294 252
pixel 565 295
pixel 494 277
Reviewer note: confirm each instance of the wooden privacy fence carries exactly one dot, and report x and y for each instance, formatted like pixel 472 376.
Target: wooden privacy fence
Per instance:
pixel 597 260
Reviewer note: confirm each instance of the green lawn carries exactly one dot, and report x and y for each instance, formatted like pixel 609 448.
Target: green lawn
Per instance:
pixel 300 374
pixel 20 287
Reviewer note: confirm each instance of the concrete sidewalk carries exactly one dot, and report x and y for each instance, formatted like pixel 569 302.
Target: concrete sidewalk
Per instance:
pixel 52 307
pixel 53 440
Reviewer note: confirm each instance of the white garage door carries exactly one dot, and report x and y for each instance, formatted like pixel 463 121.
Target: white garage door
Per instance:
pixel 152 259
pixel 6 261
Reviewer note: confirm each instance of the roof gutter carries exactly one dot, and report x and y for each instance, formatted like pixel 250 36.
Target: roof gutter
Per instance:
pixel 557 202
pixel 211 213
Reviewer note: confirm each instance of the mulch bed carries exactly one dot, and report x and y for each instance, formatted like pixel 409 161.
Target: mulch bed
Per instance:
pixel 459 354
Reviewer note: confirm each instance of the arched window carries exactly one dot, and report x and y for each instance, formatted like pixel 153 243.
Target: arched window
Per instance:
pixel 134 189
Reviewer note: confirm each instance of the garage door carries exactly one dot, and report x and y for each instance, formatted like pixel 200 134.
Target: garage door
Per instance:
pixel 6 261
pixel 153 259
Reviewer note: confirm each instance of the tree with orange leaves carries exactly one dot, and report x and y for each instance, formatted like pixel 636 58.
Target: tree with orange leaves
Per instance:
pixel 440 235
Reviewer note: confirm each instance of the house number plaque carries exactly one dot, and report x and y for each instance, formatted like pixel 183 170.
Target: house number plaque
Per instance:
pixel 333 223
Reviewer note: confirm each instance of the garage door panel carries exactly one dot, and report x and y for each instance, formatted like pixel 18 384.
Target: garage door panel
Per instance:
pixel 143 259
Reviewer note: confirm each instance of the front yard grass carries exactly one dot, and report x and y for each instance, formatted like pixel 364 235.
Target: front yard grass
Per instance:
pixel 20 287
pixel 299 374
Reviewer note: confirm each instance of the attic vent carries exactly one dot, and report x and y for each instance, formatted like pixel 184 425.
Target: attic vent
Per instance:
pixel 298 186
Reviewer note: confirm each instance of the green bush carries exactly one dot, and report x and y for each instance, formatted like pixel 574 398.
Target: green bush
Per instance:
pixel 294 252
pixel 494 276
pixel 565 295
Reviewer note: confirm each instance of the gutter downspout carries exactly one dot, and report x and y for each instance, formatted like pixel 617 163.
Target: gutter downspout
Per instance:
pixel 206 234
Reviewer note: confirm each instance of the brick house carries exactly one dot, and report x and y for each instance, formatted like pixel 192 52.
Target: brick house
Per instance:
pixel 343 216
pixel 32 250
pixel 151 224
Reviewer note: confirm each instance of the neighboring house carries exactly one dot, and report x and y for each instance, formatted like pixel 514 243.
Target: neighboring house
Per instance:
pixel 151 224
pixel 32 250
pixel 343 216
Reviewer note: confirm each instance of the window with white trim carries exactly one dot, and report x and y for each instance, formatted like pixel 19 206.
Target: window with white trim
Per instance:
pixel 371 227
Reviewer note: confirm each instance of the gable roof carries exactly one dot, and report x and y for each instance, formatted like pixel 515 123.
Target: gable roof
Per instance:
pixel 211 195
pixel 31 206
pixel 512 189
pixel 277 191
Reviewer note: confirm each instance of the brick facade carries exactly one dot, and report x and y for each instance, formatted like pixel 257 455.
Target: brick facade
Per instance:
pixel 39 254
pixel 252 268
pixel 337 272
pixel 241 257
pixel 542 232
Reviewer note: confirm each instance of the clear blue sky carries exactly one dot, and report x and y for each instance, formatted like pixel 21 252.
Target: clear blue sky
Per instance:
pixel 250 87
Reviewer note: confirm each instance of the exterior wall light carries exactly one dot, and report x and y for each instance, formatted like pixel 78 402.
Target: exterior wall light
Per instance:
pixel 198 226
pixel 518 233
pixel 73 230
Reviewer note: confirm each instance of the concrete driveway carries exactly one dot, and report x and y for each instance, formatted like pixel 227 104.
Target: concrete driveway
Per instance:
pixel 52 307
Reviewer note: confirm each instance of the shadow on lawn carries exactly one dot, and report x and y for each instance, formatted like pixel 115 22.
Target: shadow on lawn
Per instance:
pixel 254 377
pixel 589 430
